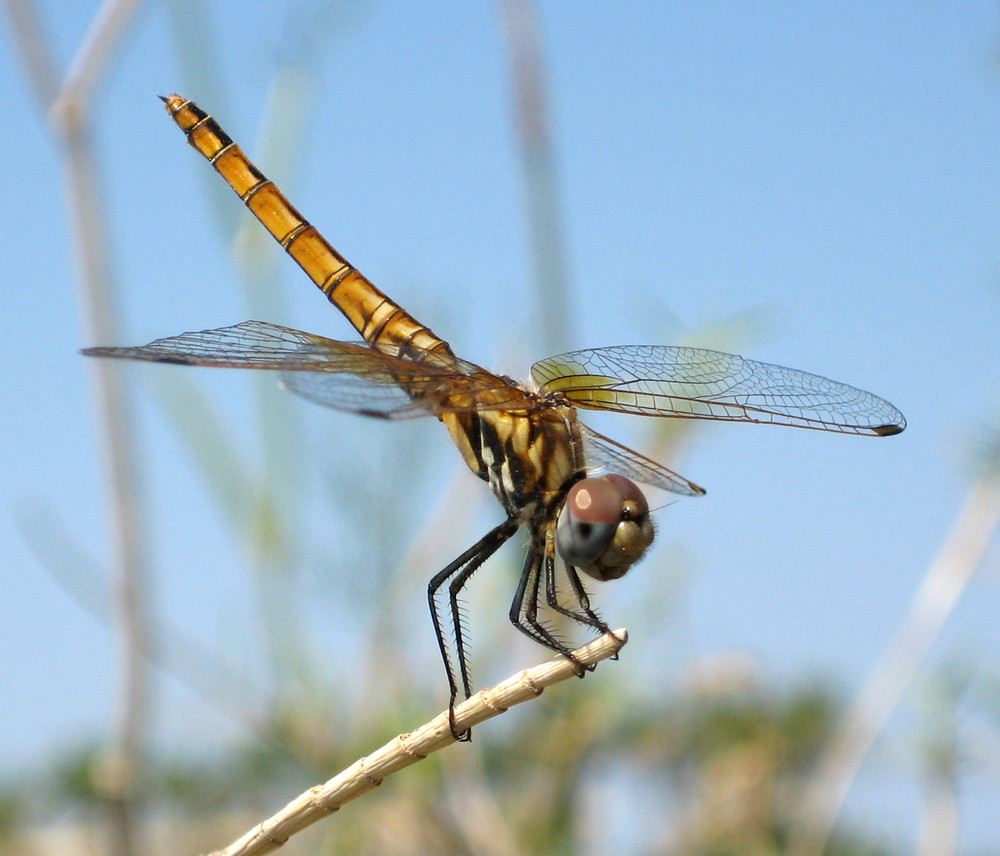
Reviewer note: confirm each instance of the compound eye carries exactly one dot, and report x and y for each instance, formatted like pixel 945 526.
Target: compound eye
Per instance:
pixel 630 493
pixel 604 526
pixel 588 520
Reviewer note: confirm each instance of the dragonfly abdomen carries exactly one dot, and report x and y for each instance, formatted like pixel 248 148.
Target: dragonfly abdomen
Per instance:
pixel 380 320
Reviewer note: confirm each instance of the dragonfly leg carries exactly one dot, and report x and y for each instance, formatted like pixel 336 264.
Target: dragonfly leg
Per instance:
pixel 538 569
pixel 524 606
pixel 539 572
pixel 584 614
pixel 459 571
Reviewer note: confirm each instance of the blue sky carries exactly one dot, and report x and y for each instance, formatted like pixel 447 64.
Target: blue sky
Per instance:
pixel 814 184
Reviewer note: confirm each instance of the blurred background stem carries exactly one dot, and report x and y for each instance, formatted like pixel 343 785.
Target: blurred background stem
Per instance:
pixel 66 104
pixel 943 584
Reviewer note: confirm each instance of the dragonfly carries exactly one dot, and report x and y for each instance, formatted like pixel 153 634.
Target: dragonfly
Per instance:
pixel 574 490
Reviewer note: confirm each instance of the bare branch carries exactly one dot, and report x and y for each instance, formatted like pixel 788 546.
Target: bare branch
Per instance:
pixel 28 37
pixel 532 117
pixel 65 103
pixel 86 72
pixel 942 586
pixel 406 749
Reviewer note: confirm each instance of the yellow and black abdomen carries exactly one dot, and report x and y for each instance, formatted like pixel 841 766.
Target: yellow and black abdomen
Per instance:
pixel 380 321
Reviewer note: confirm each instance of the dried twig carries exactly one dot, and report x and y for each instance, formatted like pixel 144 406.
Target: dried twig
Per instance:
pixel 406 749
pixel 65 101
pixel 532 118
pixel 942 586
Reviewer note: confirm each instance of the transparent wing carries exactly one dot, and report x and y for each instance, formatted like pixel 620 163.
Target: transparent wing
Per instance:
pixel 366 396
pixel 693 383
pixel 343 375
pixel 355 394
pixel 612 457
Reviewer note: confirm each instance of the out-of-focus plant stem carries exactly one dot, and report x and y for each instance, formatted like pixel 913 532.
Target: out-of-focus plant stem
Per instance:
pixel 942 586
pixel 531 118
pixel 66 104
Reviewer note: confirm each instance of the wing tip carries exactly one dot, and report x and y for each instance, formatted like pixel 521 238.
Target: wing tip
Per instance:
pixel 890 429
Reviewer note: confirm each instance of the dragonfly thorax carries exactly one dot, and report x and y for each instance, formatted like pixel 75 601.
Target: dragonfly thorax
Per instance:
pixel 527 457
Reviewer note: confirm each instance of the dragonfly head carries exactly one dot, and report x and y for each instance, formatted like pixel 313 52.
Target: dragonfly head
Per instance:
pixel 604 526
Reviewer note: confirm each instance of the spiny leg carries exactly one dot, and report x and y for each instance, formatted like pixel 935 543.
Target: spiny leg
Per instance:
pixel 539 572
pixel 524 607
pixel 458 581
pixel 461 569
pixel 529 572
pixel 584 614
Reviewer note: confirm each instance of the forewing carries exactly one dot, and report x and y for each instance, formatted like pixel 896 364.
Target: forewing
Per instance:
pixel 694 383
pixel 348 376
pixel 250 345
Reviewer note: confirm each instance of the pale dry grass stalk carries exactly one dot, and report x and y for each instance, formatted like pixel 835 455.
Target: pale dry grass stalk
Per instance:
pixel 943 584
pixel 938 832
pixel 367 773
pixel 532 120
pixel 65 101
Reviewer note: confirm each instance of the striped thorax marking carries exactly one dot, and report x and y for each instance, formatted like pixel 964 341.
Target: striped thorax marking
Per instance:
pixel 523 456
